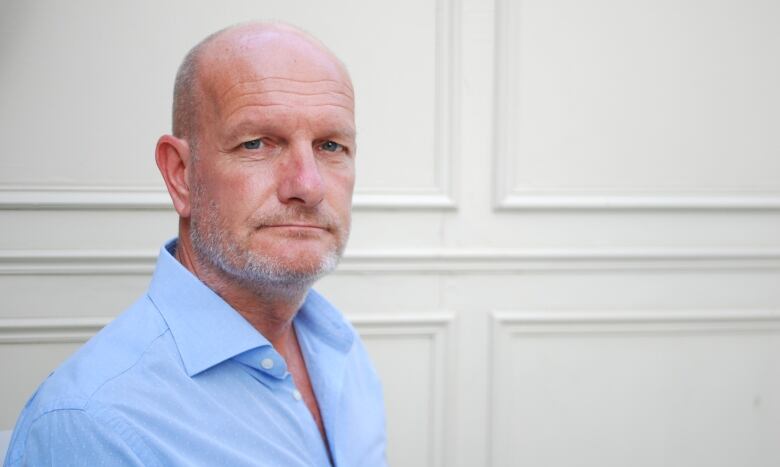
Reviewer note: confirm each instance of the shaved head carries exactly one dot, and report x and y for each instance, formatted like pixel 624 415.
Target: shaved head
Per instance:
pixel 190 92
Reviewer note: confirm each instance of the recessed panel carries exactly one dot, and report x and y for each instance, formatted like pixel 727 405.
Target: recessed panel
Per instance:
pixel 405 366
pixel 642 98
pixel 637 390
pixel 409 352
pixel 86 86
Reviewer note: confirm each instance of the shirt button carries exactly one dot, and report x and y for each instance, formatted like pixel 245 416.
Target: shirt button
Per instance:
pixel 297 395
pixel 267 363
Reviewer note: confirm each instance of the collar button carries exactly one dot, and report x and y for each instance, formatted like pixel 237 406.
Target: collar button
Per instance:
pixel 267 363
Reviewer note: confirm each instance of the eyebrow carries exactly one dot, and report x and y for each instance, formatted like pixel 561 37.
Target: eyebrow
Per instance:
pixel 249 126
pixel 346 132
pixel 245 126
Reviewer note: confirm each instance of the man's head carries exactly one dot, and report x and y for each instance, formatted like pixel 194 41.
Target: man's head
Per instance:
pixel 261 163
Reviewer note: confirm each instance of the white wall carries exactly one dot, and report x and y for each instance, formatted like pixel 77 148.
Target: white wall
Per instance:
pixel 566 248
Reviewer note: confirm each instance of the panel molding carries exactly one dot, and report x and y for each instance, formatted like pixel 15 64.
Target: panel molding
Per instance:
pixel 509 197
pixel 516 199
pixel 533 322
pixel 435 261
pixel 83 197
pixel 49 330
pixel 74 329
pixel 447 104
pixel 93 198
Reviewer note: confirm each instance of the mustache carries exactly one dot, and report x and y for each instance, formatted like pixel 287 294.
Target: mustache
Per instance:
pixel 318 218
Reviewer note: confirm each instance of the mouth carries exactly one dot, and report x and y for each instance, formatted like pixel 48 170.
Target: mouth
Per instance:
pixel 300 227
pixel 307 226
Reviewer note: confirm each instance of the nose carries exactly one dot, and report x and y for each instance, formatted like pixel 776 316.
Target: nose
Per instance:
pixel 299 177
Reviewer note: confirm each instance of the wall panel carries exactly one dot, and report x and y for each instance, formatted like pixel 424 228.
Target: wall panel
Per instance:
pixel 105 158
pixel 691 387
pixel 643 104
pixel 411 354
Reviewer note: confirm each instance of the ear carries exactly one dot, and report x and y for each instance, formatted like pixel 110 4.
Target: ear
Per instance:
pixel 173 158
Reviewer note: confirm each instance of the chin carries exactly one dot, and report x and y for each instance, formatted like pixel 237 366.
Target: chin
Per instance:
pixel 314 264
pixel 300 257
pixel 298 252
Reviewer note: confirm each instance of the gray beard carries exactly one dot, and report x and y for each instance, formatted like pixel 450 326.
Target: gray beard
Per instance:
pixel 261 273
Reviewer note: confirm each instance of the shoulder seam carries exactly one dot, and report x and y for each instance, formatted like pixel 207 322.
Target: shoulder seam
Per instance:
pixel 130 367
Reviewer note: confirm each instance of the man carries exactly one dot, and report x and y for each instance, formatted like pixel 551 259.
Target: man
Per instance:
pixel 230 359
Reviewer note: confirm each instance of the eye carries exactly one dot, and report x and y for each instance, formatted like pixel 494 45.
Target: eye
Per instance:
pixel 253 144
pixel 331 146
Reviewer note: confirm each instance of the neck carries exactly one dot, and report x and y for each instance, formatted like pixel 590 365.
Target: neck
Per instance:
pixel 269 308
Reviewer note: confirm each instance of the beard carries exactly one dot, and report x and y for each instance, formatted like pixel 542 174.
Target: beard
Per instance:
pixel 263 272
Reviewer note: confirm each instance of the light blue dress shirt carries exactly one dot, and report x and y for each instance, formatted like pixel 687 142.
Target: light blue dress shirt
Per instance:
pixel 181 378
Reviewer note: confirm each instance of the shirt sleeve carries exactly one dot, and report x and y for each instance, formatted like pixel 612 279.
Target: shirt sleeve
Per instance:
pixel 74 438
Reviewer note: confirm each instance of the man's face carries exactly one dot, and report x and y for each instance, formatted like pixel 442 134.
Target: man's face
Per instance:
pixel 274 172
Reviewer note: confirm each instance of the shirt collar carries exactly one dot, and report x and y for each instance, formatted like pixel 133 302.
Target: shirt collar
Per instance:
pixel 319 319
pixel 208 331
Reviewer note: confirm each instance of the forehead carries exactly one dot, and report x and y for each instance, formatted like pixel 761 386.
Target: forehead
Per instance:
pixel 273 68
pixel 286 91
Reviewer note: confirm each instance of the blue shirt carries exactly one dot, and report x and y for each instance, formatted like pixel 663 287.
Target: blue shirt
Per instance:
pixel 181 378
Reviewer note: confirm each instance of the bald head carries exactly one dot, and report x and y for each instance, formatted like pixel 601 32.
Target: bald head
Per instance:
pixel 277 47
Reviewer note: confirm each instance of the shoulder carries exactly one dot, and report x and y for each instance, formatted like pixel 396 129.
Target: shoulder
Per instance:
pixel 68 436
pixel 110 354
pixel 81 392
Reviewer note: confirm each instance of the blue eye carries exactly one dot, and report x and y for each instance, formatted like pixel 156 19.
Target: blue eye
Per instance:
pixel 331 146
pixel 254 144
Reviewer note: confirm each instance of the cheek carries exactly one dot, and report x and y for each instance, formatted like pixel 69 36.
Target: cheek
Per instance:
pixel 225 200
pixel 341 183
pixel 245 190
pixel 339 196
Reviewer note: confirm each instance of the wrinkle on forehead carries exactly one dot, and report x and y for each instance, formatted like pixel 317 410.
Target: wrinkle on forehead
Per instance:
pixel 233 113
pixel 277 92
pixel 297 86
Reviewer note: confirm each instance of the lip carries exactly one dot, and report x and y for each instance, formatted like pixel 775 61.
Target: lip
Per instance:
pixel 295 226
